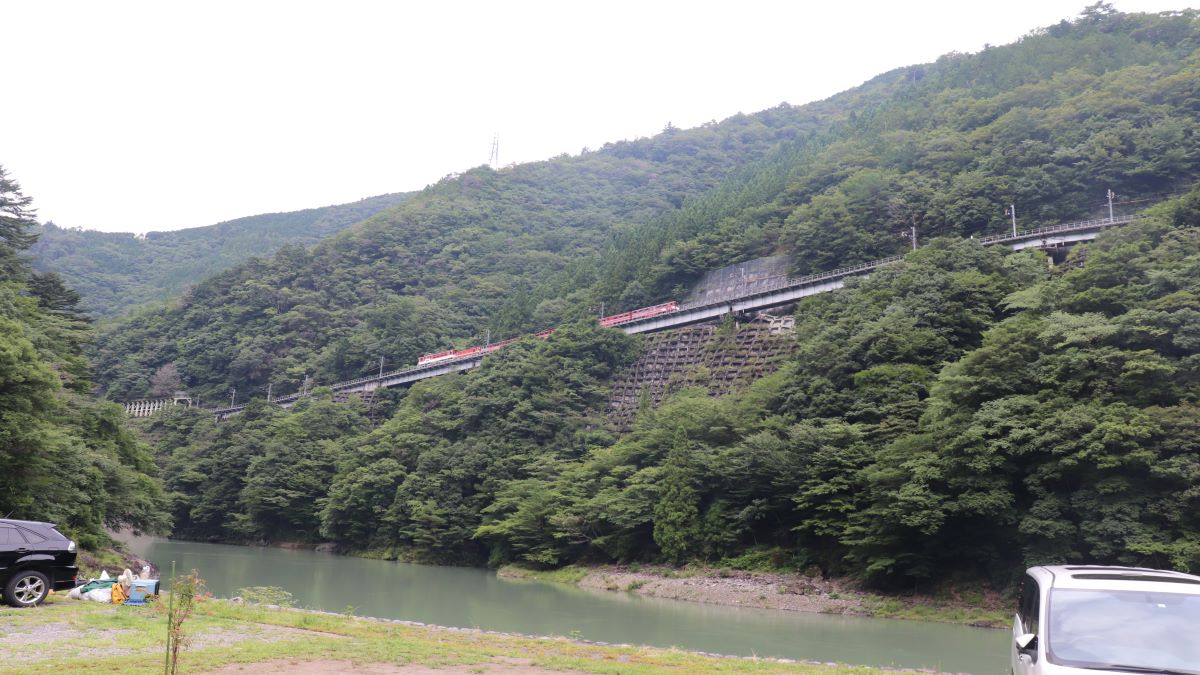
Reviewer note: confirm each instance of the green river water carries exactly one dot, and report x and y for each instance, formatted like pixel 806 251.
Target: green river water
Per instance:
pixel 468 597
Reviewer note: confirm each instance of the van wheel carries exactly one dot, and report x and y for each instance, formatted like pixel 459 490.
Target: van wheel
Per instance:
pixel 27 589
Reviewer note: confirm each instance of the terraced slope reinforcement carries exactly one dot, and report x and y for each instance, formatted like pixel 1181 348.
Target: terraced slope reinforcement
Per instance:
pixel 722 358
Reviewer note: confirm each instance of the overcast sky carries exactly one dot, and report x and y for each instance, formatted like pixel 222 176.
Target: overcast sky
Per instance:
pixel 139 116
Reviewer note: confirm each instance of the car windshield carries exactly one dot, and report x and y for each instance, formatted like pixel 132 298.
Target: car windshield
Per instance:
pixel 1124 629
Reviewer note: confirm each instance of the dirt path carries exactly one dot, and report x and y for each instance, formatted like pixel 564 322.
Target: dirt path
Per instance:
pixel 331 666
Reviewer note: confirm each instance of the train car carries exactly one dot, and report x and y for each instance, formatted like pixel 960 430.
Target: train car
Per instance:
pixel 451 354
pixel 499 345
pixel 435 357
pixel 447 355
pixel 643 313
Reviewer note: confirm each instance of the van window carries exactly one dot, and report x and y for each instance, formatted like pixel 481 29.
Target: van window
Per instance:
pixel 1030 604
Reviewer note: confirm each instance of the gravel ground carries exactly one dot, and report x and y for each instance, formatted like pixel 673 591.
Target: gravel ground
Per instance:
pixel 33 642
pixel 38 642
pixel 794 592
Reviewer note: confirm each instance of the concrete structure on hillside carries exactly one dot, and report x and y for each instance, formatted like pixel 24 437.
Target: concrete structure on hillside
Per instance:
pixel 148 406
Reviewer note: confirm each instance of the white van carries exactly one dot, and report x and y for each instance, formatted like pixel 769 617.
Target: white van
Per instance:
pixel 1092 619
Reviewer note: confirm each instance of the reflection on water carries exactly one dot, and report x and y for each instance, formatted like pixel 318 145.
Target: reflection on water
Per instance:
pixel 469 597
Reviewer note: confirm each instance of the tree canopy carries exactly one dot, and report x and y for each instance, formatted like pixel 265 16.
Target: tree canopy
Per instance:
pixel 64 457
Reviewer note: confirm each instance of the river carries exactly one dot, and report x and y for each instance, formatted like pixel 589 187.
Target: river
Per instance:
pixel 477 598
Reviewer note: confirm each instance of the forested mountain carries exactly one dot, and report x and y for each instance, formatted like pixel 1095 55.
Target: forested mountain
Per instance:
pixel 454 260
pixel 960 414
pixel 1048 123
pixel 964 412
pixel 64 457
pixel 115 272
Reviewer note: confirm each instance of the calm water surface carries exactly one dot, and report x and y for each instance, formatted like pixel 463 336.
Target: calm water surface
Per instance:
pixel 468 597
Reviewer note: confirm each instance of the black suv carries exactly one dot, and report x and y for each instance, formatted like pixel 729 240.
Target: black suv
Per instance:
pixel 34 558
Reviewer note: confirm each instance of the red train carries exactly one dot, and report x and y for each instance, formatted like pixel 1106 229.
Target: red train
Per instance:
pixel 472 351
pixel 643 313
pixel 608 321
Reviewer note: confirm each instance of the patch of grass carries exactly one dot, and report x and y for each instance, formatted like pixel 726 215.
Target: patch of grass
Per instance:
pixel 92 561
pixel 267 595
pixel 634 585
pixel 138 647
pixel 685 572
pixel 941 611
pixel 563 575
pixel 772 559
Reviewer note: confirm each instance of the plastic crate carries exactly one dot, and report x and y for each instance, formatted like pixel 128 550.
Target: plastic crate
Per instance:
pixel 141 589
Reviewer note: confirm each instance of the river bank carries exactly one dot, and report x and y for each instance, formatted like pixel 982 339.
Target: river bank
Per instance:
pixel 776 590
pixel 788 591
pixel 66 636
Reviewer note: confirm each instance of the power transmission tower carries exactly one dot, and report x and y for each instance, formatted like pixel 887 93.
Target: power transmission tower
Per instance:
pixel 494 160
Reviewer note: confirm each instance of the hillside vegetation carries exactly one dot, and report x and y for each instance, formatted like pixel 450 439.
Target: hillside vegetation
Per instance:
pixel 1048 123
pixel 115 272
pixel 962 413
pixel 64 457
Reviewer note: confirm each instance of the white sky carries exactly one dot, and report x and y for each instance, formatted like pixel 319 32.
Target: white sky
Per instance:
pixel 138 116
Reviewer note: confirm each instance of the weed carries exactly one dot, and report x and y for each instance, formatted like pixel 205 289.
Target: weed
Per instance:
pixel 267 595
pixel 184 590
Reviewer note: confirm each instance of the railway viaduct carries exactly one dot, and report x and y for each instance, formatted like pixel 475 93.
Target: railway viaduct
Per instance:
pixel 784 291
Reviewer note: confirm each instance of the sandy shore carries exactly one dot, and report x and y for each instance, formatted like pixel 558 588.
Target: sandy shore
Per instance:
pixel 783 591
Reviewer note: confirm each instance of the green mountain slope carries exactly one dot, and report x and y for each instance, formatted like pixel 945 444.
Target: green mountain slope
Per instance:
pixel 961 414
pixel 1048 123
pixel 115 272
pixel 451 262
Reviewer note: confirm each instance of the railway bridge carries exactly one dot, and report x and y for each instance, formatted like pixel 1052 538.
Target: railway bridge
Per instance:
pixel 784 291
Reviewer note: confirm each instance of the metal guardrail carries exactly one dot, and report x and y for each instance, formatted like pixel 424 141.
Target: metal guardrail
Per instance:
pixel 1055 229
pixel 783 284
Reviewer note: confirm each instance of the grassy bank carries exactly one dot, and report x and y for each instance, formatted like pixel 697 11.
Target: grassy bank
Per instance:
pixel 782 590
pixel 65 636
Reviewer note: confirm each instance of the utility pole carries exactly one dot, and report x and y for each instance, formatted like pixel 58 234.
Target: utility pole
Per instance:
pixel 268 392
pixel 487 339
pixel 914 237
pixel 1012 211
pixel 602 310
pixel 381 366
pixel 1110 209
pixel 304 387
pixel 232 396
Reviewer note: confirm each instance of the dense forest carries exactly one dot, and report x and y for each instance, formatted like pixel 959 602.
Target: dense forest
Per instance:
pixel 964 412
pixel 961 413
pixel 115 272
pixel 64 457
